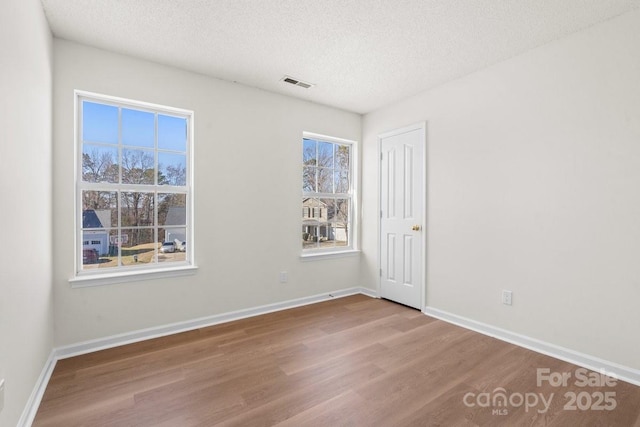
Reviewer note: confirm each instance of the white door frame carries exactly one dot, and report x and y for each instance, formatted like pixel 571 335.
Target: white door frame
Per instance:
pixel 423 236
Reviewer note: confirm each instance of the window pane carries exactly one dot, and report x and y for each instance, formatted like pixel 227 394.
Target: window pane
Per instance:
pixel 342 157
pixel 172 169
pixel 137 166
pixel 138 128
pixel 311 212
pixel 173 244
pixel 328 236
pixel 309 178
pixel 137 209
pixel 137 246
pixel 172 133
pixel 96 242
pixel 325 154
pixel 309 236
pixel 309 152
pixel 99 123
pixel 99 209
pixel 325 180
pixel 327 210
pixel 343 207
pixel 341 181
pixel 339 234
pixel 99 163
pixel 341 222
pixel 324 236
pixel 172 234
pixel 97 250
pixel 172 209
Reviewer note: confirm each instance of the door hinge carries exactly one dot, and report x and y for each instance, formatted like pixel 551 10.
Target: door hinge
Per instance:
pixel 380 214
pixel 380 156
pixel 380 272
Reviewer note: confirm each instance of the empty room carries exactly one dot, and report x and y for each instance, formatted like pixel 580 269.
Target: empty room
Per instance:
pixel 320 213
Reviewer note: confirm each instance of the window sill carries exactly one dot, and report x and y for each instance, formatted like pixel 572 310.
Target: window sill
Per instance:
pixel 88 280
pixel 317 256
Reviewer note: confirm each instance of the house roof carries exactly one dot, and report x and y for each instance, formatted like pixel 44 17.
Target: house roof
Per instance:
pixel 92 218
pixel 313 202
pixel 177 215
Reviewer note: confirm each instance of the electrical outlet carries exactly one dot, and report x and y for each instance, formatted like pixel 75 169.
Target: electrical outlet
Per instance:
pixel 507 297
pixel 1 395
pixel 284 277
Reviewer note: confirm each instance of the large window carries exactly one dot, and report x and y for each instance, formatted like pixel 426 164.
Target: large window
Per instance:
pixel 327 194
pixel 133 186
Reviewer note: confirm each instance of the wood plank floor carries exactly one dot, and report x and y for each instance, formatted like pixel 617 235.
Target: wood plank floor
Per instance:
pixel 353 361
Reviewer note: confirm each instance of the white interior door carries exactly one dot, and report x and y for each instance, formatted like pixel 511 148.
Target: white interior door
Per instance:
pixel 402 197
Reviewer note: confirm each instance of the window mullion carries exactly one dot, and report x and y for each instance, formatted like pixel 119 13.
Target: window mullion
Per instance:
pixel 107 186
pixel 119 145
pixel 119 228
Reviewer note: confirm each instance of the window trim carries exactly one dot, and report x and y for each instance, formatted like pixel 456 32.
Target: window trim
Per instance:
pixel 354 225
pixel 86 280
pixel 94 277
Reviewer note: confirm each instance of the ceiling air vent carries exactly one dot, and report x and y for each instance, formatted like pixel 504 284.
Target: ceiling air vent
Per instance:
pixel 296 82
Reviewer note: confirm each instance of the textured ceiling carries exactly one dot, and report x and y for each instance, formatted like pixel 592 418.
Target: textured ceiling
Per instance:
pixel 360 54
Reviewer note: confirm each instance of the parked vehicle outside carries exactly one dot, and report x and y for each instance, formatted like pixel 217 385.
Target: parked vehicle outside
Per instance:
pixel 168 248
pixel 90 256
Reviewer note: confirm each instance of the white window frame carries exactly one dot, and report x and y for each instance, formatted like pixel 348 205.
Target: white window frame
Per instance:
pixel 94 277
pixel 352 247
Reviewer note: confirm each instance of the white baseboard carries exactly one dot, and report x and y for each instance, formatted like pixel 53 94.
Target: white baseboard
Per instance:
pixel 369 292
pixel 31 408
pixel 623 373
pixel 174 328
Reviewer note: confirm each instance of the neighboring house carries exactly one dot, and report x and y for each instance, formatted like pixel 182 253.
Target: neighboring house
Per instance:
pixel 177 215
pixel 316 222
pixel 314 211
pixel 339 231
pixel 96 239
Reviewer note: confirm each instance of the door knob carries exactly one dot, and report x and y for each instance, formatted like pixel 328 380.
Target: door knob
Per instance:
pixel 416 228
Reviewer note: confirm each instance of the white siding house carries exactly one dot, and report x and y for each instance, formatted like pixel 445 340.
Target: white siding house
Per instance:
pixel 97 239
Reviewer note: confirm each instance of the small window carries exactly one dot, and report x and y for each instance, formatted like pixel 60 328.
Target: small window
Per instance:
pixel 133 185
pixel 327 194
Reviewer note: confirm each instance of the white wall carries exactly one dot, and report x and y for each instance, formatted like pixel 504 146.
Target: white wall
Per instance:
pixel 26 329
pixel 534 186
pixel 247 202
